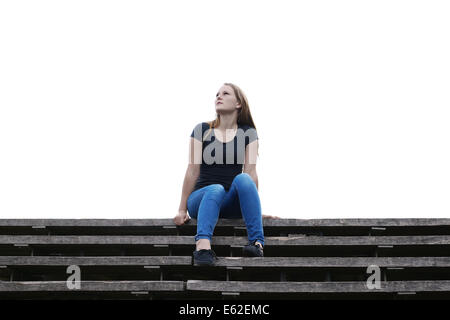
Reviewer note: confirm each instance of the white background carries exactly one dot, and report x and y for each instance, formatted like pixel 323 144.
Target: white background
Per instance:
pixel 350 98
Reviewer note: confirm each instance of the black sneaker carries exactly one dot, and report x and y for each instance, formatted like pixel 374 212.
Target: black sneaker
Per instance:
pixel 204 257
pixel 253 250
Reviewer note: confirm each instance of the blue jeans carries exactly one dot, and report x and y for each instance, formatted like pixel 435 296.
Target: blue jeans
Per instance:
pixel 212 202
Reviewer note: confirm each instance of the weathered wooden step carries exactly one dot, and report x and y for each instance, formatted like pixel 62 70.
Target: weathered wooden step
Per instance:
pixel 100 286
pixel 284 262
pixel 316 287
pixel 226 227
pixel 335 262
pixel 228 240
pixel 225 222
pixel 95 261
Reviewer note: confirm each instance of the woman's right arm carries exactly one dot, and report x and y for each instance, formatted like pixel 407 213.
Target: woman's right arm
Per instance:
pixel 190 178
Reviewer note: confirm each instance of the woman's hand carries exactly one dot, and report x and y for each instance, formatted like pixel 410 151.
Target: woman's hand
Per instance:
pixel 181 218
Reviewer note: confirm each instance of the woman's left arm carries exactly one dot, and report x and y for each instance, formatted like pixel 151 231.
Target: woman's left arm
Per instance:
pixel 251 153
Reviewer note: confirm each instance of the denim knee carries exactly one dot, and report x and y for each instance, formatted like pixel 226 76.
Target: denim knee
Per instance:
pixel 243 180
pixel 216 188
pixel 215 192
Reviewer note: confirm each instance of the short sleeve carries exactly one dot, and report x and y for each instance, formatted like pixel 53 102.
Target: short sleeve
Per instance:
pixel 250 135
pixel 197 133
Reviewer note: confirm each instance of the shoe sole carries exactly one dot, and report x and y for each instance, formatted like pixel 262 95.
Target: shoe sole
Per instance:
pixel 247 253
pixel 204 264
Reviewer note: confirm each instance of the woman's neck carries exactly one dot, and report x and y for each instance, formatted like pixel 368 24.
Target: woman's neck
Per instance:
pixel 228 121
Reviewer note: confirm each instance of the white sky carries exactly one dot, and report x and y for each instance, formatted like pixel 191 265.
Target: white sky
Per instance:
pixel 350 98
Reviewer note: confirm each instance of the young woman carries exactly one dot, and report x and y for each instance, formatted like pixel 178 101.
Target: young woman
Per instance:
pixel 221 179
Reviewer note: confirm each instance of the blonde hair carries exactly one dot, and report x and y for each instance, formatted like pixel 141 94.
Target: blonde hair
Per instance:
pixel 244 116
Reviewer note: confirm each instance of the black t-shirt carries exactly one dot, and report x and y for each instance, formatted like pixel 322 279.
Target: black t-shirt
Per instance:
pixel 230 157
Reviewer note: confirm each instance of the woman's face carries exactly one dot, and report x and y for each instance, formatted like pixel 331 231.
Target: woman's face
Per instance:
pixel 226 101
